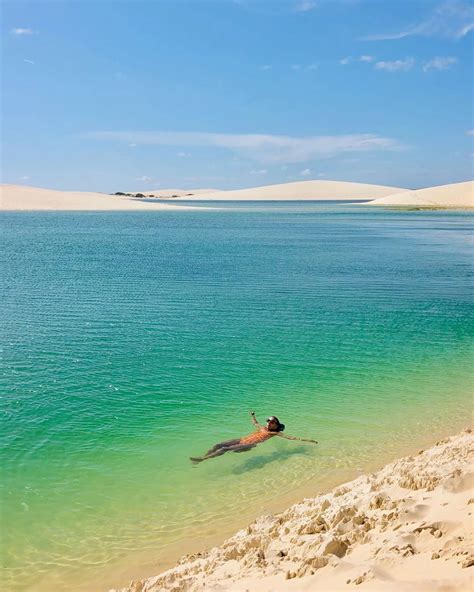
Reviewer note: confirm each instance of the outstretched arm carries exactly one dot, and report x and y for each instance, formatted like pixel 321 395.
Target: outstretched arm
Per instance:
pixel 294 438
pixel 254 419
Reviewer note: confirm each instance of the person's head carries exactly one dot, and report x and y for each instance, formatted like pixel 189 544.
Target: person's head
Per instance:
pixel 274 425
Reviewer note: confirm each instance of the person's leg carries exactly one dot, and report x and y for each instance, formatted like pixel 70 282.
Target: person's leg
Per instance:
pixel 225 444
pixel 211 454
pixel 241 447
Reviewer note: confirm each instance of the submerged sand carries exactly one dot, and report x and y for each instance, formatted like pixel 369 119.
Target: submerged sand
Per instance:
pixel 408 527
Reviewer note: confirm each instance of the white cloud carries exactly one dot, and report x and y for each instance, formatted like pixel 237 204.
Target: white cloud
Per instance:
pixel 452 19
pixel 362 58
pixel 24 178
pixel 322 175
pixel 265 67
pixel 470 132
pixel 305 172
pixel 259 172
pixel 396 65
pixel 439 63
pixel 184 154
pixel 29 61
pixel 22 31
pixel 264 148
pixel 305 5
pixel 296 67
pixel 132 145
pixel 143 178
pixel 312 67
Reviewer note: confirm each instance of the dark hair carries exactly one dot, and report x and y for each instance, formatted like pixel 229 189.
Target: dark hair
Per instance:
pixel 281 426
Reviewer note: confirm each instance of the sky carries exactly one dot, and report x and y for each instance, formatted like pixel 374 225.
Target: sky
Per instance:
pixel 135 96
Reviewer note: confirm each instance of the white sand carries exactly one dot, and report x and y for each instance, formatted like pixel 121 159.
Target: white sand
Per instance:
pixel 303 190
pixel 455 195
pixel 173 193
pixel 406 528
pixel 18 197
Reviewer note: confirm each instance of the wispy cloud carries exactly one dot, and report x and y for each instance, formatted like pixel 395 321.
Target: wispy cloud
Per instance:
pixel 143 178
pixel 439 63
pixel 259 172
pixel 265 67
pixel 22 31
pixel 305 5
pixel 184 154
pixel 305 172
pixel 362 58
pixel 470 132
pixel 396 65
pixel 452 19
pixel 29 61
pixel 264 148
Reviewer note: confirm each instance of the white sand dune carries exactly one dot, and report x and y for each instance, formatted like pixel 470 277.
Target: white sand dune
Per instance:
pixel 174 193
pixel 455 195
pixel 18 197
pixel 406 528
pixel 303 190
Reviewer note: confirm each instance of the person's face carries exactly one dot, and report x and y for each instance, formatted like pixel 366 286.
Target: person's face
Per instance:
pixel 272 425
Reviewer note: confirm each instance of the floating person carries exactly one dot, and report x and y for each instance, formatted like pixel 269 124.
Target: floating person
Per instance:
pixel 272 428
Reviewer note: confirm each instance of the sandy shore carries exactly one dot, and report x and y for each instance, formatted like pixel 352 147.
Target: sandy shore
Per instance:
pixel 408 527
pixel 22 198
pixel 455 195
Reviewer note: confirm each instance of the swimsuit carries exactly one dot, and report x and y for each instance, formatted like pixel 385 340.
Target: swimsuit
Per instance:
pixel 257 437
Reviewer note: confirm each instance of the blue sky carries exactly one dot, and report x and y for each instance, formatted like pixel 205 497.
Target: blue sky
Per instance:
pixel 113 96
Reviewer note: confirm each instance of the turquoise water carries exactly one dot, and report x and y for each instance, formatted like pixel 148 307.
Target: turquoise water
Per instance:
pixel 134 340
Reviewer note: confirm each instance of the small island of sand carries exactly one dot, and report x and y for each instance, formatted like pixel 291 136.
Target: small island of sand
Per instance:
pixel 407 528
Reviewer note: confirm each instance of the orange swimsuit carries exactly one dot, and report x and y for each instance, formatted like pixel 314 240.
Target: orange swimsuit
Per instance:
pixel 257 437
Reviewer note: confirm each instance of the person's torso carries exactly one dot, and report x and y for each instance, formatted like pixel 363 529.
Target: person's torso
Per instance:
pixel 257 437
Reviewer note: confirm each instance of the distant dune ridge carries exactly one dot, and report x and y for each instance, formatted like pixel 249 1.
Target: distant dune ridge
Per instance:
pixel 405 528
pixel 174 193
pixel 18 197
pixel 305 190
pixel 456 195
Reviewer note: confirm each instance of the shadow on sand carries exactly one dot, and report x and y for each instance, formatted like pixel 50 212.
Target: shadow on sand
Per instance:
pixel 258 462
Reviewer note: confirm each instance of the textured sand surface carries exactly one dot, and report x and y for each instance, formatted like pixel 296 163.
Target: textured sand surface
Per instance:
pixel 17 197
pixel 406 528
pixel 304 190
pixel 455 195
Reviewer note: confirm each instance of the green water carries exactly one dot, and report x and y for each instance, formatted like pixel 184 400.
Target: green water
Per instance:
pixel 134 340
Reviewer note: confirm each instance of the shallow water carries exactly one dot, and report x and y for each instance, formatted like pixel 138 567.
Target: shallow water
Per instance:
pixel 134 340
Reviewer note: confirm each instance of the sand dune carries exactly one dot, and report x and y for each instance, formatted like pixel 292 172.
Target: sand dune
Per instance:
pixel 304 190
pixel 17 197
pixel 455 195
pixel 406 528
pixel 173 193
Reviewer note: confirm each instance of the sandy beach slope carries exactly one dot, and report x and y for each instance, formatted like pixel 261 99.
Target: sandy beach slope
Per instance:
pixel 18 197
pixel 303 190
pixel 455 195
pixel 406 528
